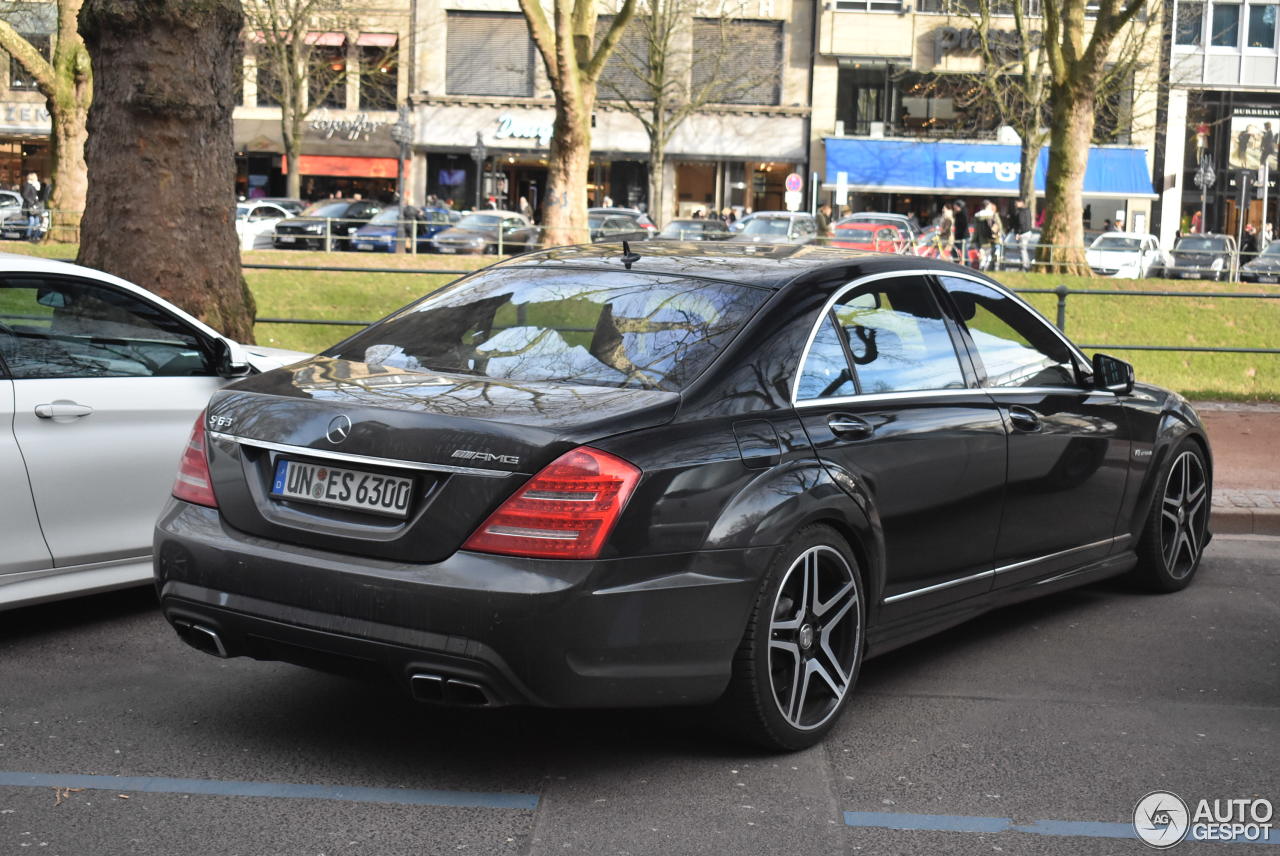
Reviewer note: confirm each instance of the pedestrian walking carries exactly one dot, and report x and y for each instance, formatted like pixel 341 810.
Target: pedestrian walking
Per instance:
pixel 947 233
pixel 988 230
pixel 961 231
pixel 32 207
pixel 1022 228
pixel 824 221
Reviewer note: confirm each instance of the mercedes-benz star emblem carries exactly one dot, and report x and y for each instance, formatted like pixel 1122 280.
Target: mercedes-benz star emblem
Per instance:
pixel 339 429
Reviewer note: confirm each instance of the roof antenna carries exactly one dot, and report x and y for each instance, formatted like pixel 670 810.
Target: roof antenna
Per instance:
pixel 629 258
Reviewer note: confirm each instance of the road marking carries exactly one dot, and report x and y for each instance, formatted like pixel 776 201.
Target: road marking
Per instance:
pixel 227 788
pixel 963 823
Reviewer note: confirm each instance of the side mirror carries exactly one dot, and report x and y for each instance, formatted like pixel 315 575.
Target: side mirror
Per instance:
pixel 229 359
pixel 1112 374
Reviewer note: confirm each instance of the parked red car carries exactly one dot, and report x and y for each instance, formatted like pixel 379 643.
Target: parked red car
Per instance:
pixel 877 237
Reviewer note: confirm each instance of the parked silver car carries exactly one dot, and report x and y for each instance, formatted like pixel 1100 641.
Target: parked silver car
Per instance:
pixel 99 383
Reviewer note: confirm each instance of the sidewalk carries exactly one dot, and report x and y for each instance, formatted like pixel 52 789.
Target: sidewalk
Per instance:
pixel 1245 441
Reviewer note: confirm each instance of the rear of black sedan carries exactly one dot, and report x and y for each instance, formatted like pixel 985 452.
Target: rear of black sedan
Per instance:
pixel 584 479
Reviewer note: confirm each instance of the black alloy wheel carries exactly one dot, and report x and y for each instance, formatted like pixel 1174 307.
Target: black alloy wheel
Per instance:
pixel 1178 524
pixel 802 649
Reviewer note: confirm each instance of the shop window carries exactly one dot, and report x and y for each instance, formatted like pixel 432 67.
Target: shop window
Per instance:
pixel 736 61
pixel 1262 25
pixel 327 76
pixel 860 99
pixel 378 73
pixel 1225 32
pixel 1189 29
pixel 19 78
pixel 488 53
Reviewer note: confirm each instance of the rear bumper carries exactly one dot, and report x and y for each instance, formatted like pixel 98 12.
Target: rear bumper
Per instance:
pixel 654 630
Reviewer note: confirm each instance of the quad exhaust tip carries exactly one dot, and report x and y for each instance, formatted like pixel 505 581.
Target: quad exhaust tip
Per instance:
pixel 441 689
pixel 201 638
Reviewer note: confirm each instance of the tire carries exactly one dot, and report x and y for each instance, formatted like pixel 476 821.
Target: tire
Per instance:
pixel 798 661
pixel 1173 538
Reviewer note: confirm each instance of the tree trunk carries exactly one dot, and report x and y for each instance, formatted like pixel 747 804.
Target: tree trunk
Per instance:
pixel 160 153
pixel 1030 157
pixel 293 155
pixel 565 208
pixel 68 119
pixel 1069 138
pixel 658 205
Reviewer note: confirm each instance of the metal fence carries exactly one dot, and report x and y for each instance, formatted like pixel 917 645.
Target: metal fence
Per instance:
pixel 1062 292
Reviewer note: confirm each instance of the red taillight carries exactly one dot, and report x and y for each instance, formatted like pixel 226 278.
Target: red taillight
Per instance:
pixel 564 512
pixel 193 483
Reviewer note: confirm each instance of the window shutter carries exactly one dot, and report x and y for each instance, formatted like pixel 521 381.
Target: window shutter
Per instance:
pixel 489 53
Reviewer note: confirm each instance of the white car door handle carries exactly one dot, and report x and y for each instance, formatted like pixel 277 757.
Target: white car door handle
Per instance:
pixel 62 410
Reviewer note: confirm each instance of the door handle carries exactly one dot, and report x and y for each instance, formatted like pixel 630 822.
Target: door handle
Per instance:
pixel 849 427
pixel 1024 419
pixel 63 410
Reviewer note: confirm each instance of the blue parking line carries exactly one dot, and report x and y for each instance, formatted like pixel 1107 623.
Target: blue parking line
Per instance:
pixel 225 788
pixel 966 823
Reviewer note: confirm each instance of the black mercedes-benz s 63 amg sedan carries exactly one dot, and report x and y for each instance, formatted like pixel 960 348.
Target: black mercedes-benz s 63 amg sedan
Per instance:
pixel 701 473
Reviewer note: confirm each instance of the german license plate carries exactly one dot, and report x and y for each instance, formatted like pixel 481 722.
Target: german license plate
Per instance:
pixel 12 234
pixel 363 245
pixel 286 239
pixel 325 485
pixel 447 250
pixel 1266 279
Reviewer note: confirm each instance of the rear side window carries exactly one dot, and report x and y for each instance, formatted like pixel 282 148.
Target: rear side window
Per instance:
pixel 583 327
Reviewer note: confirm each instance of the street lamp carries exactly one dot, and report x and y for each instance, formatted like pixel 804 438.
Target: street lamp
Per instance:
pixel 402 135
pixel 1205 177
pixel 478 154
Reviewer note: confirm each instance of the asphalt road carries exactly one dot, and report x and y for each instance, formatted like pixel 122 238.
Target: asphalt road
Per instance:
pixel 1066 709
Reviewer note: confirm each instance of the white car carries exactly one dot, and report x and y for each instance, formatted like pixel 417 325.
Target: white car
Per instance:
pixel 1127 255
pixel 256 223
pixel 100 381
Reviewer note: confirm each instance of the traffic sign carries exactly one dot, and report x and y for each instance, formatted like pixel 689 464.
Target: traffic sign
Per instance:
pixel 794 182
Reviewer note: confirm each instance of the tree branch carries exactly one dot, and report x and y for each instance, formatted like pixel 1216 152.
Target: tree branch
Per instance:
pixel 28 57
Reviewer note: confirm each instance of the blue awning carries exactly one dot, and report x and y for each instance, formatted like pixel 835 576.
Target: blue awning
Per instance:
pixel 927 166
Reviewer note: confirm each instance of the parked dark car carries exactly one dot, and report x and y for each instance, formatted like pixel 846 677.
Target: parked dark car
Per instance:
pixel 778 227
pixel 1206 256
pixel 688 474
pixel 620 224
pixel 689 229
pixel 1265 267
pixel 380 233
pixel 293 206
pixel 328 224
pixel 488 232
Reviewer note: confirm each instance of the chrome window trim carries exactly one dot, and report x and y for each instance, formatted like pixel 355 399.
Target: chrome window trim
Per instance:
pixel 995 572
pixel 368 460
pixel 905 395
pixel 796 401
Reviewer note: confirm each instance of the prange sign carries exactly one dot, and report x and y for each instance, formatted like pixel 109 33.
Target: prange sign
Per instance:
pixel 970 168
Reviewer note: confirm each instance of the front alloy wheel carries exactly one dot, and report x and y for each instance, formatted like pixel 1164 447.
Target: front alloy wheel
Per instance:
pixel 1177 528
pixel 800 655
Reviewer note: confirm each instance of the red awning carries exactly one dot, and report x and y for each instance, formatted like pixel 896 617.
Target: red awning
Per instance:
pixel 326 39
pixel 377 40
pixel 350 167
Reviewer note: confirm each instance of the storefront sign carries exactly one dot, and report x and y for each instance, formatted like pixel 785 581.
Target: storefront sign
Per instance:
pixel 523 129
pixel 949 40
pixel 353 128
pixel 24 115
pixel 343 166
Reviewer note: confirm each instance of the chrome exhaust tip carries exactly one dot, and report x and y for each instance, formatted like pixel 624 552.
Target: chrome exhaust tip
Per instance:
pixel 201 638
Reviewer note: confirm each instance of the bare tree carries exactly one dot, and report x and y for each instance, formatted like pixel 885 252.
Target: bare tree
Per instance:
pixel 160 153
pixel 659 76
pixel 574 62
pixel 65 79
pixel 1084 70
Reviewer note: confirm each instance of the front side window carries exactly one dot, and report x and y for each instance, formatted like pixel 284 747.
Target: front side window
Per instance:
pixel 56 328
pixel 598 329
pixel 1016 347
pixel 1225 32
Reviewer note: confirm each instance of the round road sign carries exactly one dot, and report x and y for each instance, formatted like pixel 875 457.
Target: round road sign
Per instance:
pixel 794 182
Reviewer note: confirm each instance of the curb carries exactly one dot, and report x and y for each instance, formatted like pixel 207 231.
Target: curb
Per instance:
pixel 1245 521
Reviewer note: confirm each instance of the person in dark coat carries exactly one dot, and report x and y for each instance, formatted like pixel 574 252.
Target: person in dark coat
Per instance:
pixel 32 206
pixel 962 231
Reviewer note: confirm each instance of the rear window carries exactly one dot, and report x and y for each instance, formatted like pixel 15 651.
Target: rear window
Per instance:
pixel 600 329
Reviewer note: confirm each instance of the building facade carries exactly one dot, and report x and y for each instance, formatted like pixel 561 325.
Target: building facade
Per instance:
pixel 1223 116
pixel 483 110
pixel 895 126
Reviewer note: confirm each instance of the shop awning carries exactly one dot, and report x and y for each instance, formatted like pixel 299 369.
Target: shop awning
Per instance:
pixel 331 40
pixel 928 166
pixel 343 166
pixel 376 40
